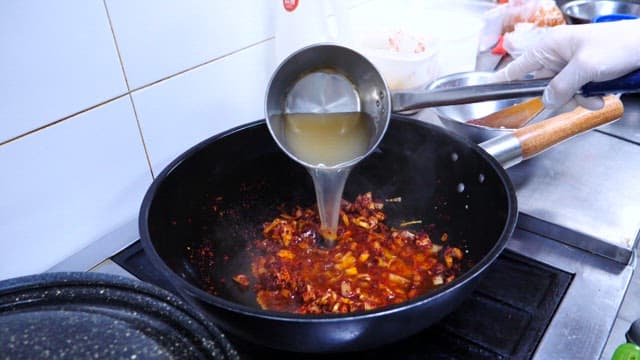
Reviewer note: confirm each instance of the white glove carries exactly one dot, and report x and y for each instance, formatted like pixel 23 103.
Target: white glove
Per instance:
pixel 575 55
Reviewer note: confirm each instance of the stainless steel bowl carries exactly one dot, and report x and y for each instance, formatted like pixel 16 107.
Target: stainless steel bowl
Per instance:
pixel 455 117
pixel 584 11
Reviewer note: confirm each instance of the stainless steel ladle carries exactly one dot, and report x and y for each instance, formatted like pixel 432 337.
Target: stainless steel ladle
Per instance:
pixel 328 78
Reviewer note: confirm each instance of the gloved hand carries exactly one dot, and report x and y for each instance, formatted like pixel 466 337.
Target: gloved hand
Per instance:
pixel 575 55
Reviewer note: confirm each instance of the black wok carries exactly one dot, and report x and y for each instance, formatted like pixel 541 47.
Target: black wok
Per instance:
pixel 442 178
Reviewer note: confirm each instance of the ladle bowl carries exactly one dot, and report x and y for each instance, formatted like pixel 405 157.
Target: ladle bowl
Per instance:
pixel 327 79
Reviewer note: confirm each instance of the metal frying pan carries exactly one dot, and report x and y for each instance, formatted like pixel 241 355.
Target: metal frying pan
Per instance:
pixel 84 315
pixel 220 192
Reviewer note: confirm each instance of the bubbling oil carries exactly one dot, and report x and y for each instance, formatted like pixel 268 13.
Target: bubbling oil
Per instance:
pixel 326 141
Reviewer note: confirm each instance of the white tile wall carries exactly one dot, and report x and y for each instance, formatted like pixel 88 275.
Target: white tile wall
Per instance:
pixel 186 109
pixel 73 184
pixel 56 58
pixel 160 38
pixel 67 185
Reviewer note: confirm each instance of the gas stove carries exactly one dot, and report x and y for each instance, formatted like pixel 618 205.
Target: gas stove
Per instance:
pixel 558 303
pixel 555 291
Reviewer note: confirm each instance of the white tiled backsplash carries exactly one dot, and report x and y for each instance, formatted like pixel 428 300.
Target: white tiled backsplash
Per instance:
pixel 97 96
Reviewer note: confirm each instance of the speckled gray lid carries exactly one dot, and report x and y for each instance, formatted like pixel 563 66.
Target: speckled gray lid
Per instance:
pixel 91 315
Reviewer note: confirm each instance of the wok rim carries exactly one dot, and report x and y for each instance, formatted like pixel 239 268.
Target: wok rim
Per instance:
pixel 183 285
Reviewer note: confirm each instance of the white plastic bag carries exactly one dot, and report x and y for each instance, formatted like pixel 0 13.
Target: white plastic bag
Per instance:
pixel 541 13
pixel 523 36
pixel 527 21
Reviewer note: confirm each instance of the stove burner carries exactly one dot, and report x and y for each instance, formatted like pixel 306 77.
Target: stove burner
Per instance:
pixel 504 318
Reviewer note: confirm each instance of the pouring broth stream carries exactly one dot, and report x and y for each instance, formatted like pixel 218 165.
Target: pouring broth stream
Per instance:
pixel 328 142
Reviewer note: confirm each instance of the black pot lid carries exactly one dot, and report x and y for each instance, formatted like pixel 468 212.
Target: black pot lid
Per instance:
pixel 94 315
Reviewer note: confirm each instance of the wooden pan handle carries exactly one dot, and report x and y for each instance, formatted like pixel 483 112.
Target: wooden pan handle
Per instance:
pixel 538 137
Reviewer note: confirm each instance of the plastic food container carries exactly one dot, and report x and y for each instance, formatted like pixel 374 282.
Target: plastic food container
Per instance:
pixel 459 35
pixel 451 31
pixel 405 58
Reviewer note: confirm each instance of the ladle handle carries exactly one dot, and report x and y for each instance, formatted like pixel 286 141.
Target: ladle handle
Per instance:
pixel 411 100
pixel 531 140
pixel 625 84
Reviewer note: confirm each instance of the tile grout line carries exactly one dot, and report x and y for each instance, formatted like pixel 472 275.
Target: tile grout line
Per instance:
pixel 126 81
pixel 129 91
pixel 55 122
pixel 203 64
